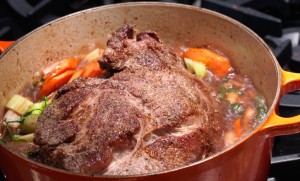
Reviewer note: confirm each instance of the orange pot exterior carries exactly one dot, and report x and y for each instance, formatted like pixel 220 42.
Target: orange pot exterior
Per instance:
pixel 276 125
pixel 4 45
pixel 249 159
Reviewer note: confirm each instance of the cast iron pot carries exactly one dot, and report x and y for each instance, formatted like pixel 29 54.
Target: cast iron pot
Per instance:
pixel 248 159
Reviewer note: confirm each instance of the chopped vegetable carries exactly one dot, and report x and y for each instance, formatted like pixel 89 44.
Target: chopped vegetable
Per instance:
pixel 77 74
pixel 55 83
pixel 237 128
pixel 237 108
pixel 66 71
pixel 64 66
pixel 19 104
pixel 92 70
pixel 227 85
pixel 216 63
pixel 249 114
pixel 232 97
pixel 91 57
pixel 261 108
pixel 10 133
pixel 27 137
pixel 28 120
pixel 12 116
pixel 28 126
pixel 195 67
pixel 38 108
pixel 222 91
pixel 49 68
pixel 38 82
pixel 229 138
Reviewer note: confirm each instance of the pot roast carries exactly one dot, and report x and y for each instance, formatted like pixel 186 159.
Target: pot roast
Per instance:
pixel 150 114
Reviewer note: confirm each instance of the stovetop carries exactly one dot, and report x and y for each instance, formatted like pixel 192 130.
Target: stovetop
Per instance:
pixel 276 21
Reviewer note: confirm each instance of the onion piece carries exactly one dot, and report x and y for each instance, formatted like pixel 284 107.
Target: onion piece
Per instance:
pixel 12 116
pixel 90 57
pixel 49 68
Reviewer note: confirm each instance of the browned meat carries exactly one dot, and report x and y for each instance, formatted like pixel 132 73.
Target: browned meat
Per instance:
pixel 150 115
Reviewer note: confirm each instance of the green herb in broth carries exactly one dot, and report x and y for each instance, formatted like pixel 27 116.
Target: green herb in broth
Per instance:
pixel 261 107
pixel 237 108
pixel 222 91
pixel 38 83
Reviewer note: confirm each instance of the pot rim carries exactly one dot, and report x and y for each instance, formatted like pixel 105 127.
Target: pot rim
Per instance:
pixel 153 4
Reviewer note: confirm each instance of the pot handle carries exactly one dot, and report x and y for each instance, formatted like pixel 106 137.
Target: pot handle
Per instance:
pixel 277 125
pixel 4 45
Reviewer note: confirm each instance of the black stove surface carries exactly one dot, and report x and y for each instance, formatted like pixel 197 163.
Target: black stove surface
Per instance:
pixel 276 21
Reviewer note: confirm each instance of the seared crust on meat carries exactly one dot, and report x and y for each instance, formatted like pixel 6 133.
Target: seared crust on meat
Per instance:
pixel 150 115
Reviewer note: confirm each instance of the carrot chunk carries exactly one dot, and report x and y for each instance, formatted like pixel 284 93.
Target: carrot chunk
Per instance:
pixel 217 64
pixel 92 70
pixel 55 82
pixel 77 74
pixel 68 64
pixel 237 128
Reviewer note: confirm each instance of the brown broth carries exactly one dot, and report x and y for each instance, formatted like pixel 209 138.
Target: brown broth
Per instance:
pixel 244 107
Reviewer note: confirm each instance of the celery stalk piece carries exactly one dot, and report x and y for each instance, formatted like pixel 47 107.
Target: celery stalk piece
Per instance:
pixel 28 125
pixel 195 67
pixel 38 108
pixel 19 104
pixel 199 69
pixel 27 137
pixel 189 64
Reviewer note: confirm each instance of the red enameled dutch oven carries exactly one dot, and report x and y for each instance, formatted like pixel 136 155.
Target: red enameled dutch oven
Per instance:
pixel 178 25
